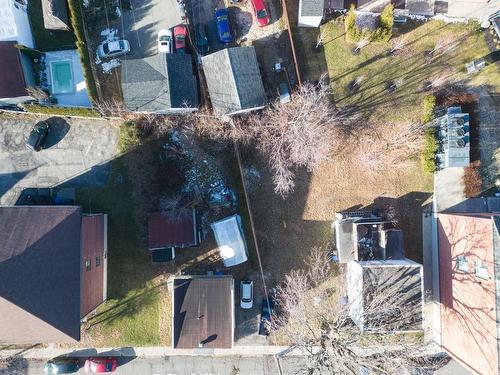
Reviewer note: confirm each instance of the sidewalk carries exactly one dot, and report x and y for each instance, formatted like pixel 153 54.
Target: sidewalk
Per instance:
pixel 153 351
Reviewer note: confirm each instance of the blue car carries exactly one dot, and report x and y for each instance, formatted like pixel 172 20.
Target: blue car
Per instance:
pixel 223 27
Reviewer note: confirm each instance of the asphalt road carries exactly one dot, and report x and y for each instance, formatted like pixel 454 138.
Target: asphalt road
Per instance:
pixel 180 365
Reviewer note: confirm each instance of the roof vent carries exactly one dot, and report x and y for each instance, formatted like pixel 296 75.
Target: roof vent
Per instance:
pixel 460 142
pixel 460 132
pixel 460 121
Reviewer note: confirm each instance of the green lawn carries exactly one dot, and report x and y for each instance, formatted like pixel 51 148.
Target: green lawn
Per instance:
pixel 46 40
pixel 409 68
pixel 130 316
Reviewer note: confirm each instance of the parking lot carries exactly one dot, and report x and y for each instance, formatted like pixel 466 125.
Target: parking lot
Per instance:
pixel 73 147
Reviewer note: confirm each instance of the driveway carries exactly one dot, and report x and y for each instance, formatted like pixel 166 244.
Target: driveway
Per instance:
pixel 142 23
pixel 74 147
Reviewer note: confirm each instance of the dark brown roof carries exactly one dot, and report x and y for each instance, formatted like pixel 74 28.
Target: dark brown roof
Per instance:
pixel 12 84
pixel 93 251
pixel 203 312
pixel 39 274
pixel 172 229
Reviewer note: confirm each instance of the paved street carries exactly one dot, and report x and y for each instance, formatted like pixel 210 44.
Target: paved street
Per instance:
pixel 73 147
pixel 179 365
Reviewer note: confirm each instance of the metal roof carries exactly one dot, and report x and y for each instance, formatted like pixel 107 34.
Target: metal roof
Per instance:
pixel 230 240
pixel 172 229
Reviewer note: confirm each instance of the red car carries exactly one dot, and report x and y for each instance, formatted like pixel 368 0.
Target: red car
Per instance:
pixel 180 35
pixel 260 12
pixel 100 365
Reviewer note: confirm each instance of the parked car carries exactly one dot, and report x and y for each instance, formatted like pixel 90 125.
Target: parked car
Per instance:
pixel 61 366
pixel 180 35
pixel 201 39
pixel 100 365
pixel 112 49
pixel 165 41
pixel 260 12
pixel 38 135
pixel 246 294
pixel 265 316
pixel 223 26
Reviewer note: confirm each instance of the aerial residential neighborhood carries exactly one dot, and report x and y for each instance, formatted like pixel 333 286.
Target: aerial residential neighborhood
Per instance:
pixel 249 187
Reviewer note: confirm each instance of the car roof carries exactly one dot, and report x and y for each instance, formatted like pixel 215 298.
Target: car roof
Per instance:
pixel 258 4
pixel 221 12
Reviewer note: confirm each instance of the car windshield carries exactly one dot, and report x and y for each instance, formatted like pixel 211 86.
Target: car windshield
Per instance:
pixel 122 45
pixel 109 366
pixel 222 18
pixel 164 38
pixel 226 35
pixel 180 37
pixel 105 48
pixel 261 13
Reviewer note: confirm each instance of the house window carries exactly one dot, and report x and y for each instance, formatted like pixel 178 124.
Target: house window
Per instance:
pixel 481 270
pixel 462 264
pixel 87 265
pixel 97 261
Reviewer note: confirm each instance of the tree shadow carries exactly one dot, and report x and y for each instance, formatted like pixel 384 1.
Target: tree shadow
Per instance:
pixel 58 129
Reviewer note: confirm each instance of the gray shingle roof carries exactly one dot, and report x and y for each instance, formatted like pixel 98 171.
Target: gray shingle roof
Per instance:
pixel 159 83
pixel 311 8
pixel 234 80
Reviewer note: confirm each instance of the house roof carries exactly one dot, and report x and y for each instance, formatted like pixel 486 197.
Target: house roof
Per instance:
pixel 55 14
pixel 234 80
pixel 39 274
pixel 203 312
pixel 172 229
pixel 12 83
pixel 93 247
pixel 397 284
pixel 311 8
pixel 159 83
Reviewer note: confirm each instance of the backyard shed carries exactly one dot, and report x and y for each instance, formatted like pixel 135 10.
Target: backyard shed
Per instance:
pixel 234 81
pixel 310 12
pixel 170 230
pixel 203 312
pixel 160 84
pixel 230 240
pixel 12 82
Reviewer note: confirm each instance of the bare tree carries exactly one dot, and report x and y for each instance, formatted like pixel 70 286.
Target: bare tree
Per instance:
pixel 314 316
pixel 399 44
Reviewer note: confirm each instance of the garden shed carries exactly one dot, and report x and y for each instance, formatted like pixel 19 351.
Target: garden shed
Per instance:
pixel 230 240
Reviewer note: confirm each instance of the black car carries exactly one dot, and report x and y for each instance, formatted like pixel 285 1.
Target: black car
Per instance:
pixel 265 317
pixel 62 366
pixel 38 135
pixel 201 39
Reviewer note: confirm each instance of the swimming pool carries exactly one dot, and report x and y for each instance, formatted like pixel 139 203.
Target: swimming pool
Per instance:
pixel 61 74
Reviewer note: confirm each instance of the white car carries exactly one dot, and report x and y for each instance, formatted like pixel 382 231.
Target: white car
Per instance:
pixel 246 294
pixel 112 49
pixel 165 41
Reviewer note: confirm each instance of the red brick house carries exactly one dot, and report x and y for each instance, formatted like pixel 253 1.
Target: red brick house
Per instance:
pixel 469 250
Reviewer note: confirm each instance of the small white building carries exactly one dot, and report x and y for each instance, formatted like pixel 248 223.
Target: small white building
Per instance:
pixel 310 12
pixel 14 22
pixel 230 240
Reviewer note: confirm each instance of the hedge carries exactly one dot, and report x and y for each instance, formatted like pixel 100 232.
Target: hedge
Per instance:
pixel 76 16
pixel 382 34
pixel 61 111
pixel 430 150
pixel 130 136
pixel 428 106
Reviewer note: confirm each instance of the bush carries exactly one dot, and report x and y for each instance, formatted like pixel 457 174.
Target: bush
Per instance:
pixel 472 180
pixel 75 7
pixel 61 111
pixel 430 150
pixel 428 106
pixel 352 31
pixel 130 136
pixel 386 22
pixel 382 34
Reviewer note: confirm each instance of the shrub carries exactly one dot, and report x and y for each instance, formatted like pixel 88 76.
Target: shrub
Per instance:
pixel 352 31
pixel 430 150
pixel 472 180
pixel 130 136
pixel 386 22
pixel 75 7
pixel 61 111
pixel 382 34
pixel 428 106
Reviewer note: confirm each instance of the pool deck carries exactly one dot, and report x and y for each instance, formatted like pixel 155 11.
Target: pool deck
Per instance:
pixel 79 97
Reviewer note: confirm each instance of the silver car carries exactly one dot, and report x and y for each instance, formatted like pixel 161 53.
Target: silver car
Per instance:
pixel 112 49
pixel 246 294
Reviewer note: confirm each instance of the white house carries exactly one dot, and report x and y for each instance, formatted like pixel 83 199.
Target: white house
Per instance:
pixel 14 22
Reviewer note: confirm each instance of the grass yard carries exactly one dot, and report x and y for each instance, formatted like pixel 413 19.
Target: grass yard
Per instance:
pixel 46 40
pixel 408 68
pixel 131 314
